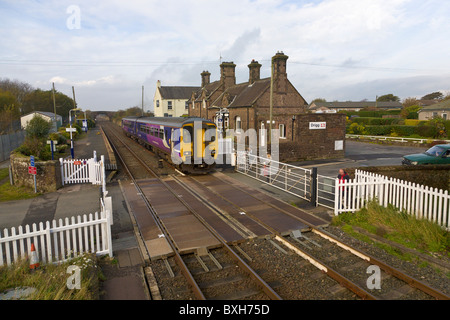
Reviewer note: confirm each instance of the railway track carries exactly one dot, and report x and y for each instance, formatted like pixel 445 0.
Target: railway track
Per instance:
pixel 346 264
pixel 232 272
pixel 341 265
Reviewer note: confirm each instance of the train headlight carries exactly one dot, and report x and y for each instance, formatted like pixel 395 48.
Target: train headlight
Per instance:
pixel 187 153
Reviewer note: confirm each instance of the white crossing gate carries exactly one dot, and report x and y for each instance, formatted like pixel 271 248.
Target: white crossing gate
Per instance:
pixel 292 179
pixel 82 171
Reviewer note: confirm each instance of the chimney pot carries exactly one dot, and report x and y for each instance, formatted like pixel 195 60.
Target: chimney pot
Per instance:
pixel 279 72
pixel 227 74
pixel 254 70
pixel 205 78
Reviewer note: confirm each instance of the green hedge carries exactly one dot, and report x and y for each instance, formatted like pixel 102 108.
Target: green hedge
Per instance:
pixel 402 131
pixel 372 114
pixel 376 121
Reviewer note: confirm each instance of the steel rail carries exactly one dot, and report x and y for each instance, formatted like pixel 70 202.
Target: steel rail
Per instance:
pixel 184 269
pixel 265 287
pixel 362 293
pixel 383 266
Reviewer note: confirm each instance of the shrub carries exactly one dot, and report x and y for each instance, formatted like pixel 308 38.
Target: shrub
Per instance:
pixel 59 137
pixel 412 122
pixel 356 128
pixel 376 121
pixel 426 131
pixel 378 130
pixel 403 131
pixel 38 127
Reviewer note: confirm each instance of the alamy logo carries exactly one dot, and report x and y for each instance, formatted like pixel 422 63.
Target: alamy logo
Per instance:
pixel 74 280
pixel 374 281
pixel 74 20
pixel 246 142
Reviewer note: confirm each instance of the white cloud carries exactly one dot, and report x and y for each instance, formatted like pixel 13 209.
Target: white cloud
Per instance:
pixel 123 45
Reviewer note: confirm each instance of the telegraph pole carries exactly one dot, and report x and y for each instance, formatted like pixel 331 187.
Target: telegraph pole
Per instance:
pixel 70 120
pixel 142 100
pixel 54 106
pixel 74 103
pixel 271 103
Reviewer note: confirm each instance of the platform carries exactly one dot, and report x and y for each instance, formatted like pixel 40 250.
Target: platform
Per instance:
pixel 157 247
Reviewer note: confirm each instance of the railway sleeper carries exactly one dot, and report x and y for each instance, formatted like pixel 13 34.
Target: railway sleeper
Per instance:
pixel 204 252
pixel 300 238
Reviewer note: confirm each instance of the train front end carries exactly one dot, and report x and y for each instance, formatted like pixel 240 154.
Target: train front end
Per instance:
pixel 199 146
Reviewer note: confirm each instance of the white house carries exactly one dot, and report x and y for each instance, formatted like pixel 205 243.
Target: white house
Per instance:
pixel 48 116
pixel 171 101
pixel 441 109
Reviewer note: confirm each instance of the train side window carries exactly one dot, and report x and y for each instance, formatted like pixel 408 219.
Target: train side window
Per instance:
pixel 161 133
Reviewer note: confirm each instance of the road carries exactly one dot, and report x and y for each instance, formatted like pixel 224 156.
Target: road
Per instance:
pixel 362 154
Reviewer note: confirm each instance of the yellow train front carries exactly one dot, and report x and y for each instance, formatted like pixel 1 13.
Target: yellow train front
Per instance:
pixel 189 143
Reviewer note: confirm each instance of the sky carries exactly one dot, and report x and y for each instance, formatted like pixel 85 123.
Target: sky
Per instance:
pixel 345 50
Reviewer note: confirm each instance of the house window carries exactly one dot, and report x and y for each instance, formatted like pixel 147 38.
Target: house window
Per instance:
pixel 186 105
pixel 435 114
pixel 157 103
pixel 282 128
pixel 238 124
pixel 169 105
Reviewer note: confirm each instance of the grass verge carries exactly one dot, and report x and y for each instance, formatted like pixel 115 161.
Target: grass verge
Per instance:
pixel 10 193
pixel 50 281
pixel 399 227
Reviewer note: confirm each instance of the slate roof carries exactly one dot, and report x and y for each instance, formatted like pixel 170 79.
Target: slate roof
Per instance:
pixel 177 92
pixel 443 105
pixel 242 95
pixel 210 88
pixel 45 113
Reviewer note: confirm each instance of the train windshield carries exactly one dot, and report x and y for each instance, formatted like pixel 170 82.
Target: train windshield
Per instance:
pixel 188 132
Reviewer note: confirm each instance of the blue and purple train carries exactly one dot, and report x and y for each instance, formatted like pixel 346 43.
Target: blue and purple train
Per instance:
pixel 188 143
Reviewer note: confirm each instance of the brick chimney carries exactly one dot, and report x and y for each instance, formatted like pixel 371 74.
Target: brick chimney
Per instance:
pixel 205 78
pixel 279 72
pixel 227 74
pixel 254 70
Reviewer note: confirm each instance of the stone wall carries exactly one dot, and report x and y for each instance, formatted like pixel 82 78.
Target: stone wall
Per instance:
pixel 48 178
pixel 314 144
pixel 436 176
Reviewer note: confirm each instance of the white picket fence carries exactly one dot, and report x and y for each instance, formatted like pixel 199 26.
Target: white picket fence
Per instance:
pixel 58 241
pixel 82 170
pixel 63 240
pixel 421 201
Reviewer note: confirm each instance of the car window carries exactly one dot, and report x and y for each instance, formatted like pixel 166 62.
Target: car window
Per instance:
pixel 435 151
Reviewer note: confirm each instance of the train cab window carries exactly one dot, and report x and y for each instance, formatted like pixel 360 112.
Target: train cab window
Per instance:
pixel 188 132
pixel 161 133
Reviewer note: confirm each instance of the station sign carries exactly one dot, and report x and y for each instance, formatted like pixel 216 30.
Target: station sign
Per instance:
pixel 317 125
pixel 71 129
pixel 77 162
pixel 32 170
